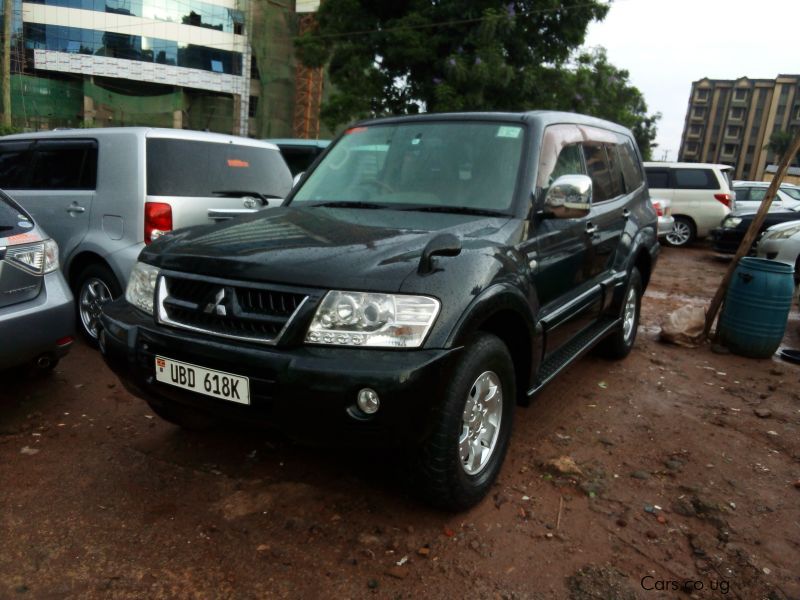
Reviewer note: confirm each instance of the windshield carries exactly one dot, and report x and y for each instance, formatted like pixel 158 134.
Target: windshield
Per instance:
pixel 794 193
pixel 13 220
pixel 446 165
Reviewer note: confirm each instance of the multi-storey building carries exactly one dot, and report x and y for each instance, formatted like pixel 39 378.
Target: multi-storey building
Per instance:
pixel 173 63
pixel 731 121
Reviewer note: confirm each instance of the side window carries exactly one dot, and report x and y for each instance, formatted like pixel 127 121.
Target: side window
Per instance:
pixel 742 193
pixel 560 154
pixel 617 184
pixel 14 162
pixel 631 168
pixel 569 162
pixel 598 168
pixel 64 165
pixel 694 179
pixel 657 178
pixel 758 194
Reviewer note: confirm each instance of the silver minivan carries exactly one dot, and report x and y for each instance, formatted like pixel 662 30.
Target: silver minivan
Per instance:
pixel 102 194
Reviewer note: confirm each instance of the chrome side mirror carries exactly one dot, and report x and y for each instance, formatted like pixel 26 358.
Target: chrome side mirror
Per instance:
pixel 569 197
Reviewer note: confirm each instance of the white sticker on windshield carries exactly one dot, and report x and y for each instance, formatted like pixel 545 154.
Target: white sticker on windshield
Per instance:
pixel 505 131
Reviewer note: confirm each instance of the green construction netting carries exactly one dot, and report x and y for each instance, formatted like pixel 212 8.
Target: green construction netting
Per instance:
pixel 123 106
pixel 38 103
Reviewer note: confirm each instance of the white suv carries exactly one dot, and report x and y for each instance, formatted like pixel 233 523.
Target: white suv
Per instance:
pixel 700 193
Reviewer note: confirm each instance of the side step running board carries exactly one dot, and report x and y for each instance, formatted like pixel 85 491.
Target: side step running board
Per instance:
pixel 572 352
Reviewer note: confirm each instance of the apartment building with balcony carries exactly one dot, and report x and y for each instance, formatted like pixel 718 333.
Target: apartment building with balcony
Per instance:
pixel 169 63
pixel 731 121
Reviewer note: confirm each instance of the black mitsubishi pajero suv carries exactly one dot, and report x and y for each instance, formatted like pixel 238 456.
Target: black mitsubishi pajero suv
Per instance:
pixel 427 275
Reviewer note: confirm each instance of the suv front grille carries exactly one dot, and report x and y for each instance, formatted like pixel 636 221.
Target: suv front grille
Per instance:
pixel 236 310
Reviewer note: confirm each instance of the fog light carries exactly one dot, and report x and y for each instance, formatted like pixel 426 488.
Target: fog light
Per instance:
pixel 368 401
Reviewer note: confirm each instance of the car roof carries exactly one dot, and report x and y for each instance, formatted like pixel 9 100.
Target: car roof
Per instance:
pixel 686 165
pixel 543 117
pixel 147 132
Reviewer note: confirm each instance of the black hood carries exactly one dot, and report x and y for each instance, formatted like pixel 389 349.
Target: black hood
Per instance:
pixel 362 249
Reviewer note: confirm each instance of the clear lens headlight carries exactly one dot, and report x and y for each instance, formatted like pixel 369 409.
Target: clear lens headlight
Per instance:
pixel 782 234
pixel 377 320
pixel 142 286
pixel 731 222
pixel 50 256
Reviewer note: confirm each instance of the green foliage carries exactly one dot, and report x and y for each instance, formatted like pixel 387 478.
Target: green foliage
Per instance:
pixel 412 56
pixel 779 143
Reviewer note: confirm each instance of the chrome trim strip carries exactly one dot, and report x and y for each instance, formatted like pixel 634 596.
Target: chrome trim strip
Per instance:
pixel 164 319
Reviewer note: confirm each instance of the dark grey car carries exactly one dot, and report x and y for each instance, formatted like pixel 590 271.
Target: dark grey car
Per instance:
pixel 37 317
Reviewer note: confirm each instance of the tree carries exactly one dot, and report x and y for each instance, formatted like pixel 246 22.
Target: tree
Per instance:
pixel 779 143
pixel 412 56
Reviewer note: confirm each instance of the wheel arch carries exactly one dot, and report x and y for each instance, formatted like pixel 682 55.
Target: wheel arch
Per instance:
pixel 506 315
pixel 82 260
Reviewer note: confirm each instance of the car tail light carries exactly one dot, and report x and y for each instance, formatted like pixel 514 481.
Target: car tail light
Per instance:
pixel 659 209
pixel 157 220
pixel 724 198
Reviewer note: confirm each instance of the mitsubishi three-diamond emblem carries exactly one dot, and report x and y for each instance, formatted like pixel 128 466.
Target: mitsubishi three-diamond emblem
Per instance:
pixel 217 306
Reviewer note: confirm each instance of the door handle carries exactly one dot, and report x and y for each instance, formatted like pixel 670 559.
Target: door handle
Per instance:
pixel 591 229
pixel 626 213
pixel 75 209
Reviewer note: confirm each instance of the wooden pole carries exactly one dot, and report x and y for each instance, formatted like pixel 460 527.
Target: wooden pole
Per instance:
pixel 752 232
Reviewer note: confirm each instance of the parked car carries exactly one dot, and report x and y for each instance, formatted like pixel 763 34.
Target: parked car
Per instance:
pixel 103 194
pixel 666 222
pixel 781 242
pixel 700 194
pixel 727 237
pixel 299 153
pixel 411 290
pixel 748 195
pixel 37 317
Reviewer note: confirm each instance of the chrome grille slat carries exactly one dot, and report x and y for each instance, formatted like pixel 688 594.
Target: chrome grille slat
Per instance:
pixel 228 309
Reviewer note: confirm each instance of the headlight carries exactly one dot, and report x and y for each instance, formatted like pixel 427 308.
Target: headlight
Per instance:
pixel 782 234
pixel 142 286
pixel 731 222
pixel 367 319
pixel 37 258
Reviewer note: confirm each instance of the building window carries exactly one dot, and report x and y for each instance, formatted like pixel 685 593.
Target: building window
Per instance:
pixel 740 95
pixel 736 113
pixel 252 107
pixel 691 148
pixel 729 149
pixel 701 95
pixel 699 112
pixel 733 131
pixel 695 129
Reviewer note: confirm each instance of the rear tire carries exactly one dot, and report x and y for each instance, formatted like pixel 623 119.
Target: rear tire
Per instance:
pixel 457 464
pixel 94 286
pixel 683 233
pixel 619 344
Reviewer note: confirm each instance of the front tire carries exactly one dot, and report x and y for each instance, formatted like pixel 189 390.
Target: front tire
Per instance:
pixel 682 234
pixel 95 286
pixel 619 344
pixel 461 458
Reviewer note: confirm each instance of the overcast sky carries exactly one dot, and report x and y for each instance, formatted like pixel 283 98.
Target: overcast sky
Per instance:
pixel 667 44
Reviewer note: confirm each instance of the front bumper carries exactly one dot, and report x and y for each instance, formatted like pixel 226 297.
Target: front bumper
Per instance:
pixel 726 241
pixel 33 328
pixel 308 392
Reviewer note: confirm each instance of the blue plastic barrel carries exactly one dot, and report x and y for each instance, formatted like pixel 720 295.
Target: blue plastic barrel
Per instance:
pixel 756 309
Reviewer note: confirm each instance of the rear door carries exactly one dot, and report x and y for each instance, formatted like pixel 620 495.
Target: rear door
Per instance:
pixel 59 188
pixel 695 189
pixel 206 181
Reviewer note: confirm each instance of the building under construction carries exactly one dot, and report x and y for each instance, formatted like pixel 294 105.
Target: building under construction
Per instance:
pixel 217 65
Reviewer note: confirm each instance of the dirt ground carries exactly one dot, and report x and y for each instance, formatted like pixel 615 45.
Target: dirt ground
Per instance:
pixel 683 481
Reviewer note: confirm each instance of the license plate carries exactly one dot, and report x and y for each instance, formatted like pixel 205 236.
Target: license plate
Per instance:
pixel 203 381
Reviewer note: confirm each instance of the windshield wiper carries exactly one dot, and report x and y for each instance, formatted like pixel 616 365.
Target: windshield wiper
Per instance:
pixel 264 198
pixel 347 204
pixel 461 210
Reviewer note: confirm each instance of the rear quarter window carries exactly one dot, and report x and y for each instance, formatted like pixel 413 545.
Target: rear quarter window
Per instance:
pixel 695 179
pixel 631 168
pixel 196 168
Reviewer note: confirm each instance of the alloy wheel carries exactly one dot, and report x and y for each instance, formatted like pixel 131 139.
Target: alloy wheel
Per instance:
pixel 680 234
pixel 480 422
pixel 94 294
